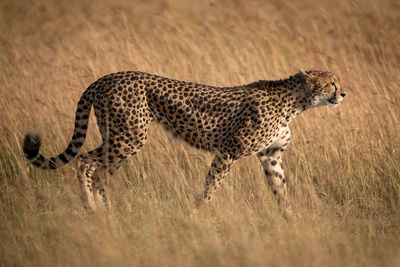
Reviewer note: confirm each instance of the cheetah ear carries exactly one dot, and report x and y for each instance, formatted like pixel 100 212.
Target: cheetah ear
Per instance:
pixel 303 72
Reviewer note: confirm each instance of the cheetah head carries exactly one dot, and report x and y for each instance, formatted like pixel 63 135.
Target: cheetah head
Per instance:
pixel 323 87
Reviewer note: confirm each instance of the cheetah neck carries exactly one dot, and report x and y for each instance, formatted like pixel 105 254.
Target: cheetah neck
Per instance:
pixel 293 94
pixel 299 100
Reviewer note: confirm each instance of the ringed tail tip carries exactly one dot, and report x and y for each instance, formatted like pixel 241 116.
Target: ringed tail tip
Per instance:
pixel 31 145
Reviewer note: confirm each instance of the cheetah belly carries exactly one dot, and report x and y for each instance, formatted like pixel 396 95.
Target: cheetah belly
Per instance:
pixel 184 125
pixel 282 137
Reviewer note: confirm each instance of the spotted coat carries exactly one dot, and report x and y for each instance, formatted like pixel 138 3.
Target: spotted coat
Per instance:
pixel 233 122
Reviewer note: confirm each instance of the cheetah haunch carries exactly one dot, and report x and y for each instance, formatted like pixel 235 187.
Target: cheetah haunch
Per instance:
pixel 232 122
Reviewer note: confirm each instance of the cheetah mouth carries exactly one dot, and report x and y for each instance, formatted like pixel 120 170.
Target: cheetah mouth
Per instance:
pixel 332 102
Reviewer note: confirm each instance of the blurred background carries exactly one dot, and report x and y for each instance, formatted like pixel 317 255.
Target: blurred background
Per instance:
pixel 343 164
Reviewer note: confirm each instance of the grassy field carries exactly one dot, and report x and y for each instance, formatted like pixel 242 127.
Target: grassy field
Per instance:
pixel 343 164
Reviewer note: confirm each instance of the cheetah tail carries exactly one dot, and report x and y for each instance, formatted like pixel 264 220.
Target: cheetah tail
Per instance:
pixel 32 140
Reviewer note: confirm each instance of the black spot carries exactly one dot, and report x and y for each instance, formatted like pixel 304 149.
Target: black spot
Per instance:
pixel 68 151
pixel 273 162
pixel 63 158
pixel 78 135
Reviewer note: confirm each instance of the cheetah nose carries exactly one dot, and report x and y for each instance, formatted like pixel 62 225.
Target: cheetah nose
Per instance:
pixel 342 94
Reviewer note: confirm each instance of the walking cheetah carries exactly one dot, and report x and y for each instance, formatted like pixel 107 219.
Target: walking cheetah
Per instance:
pixel 233 122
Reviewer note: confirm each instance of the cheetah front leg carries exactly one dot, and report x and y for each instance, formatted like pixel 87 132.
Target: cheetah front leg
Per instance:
pixel 271 160
pixel 218 170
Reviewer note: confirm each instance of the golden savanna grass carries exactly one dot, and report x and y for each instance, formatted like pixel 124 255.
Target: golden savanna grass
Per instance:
pixel 343 164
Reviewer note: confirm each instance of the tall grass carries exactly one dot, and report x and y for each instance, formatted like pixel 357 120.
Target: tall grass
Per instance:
pixel 343 164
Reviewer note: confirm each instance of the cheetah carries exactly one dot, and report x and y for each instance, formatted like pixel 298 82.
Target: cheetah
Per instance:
pixel 232 122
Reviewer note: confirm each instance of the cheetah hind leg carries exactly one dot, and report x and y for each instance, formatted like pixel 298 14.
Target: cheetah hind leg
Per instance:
pixel 86 169
pixel 92 174
pixel 101 177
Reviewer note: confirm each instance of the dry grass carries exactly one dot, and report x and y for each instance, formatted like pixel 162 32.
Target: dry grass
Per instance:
pixel 343 164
